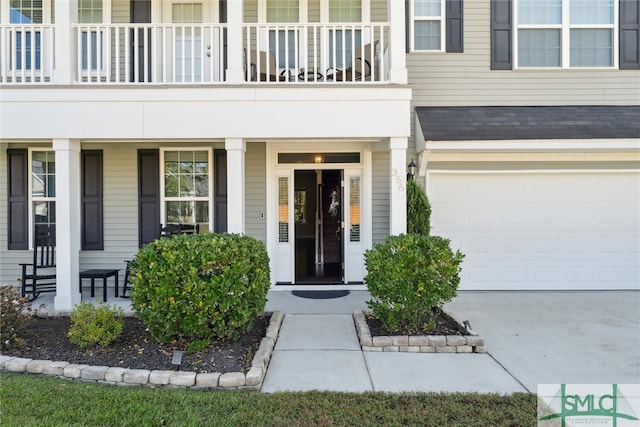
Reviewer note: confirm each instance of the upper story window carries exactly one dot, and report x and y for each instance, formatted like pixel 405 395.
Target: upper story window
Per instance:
pixel 345 40
pixel 565 33
pixel 187 189
pixel 427 25
pixel 283 11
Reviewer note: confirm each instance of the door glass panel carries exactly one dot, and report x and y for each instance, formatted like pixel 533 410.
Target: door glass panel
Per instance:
pixel 354 208
pixel 188 43
pixel 283 209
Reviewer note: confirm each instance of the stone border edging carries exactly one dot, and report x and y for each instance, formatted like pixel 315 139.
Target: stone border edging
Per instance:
pixel 156 378
pixel 415 343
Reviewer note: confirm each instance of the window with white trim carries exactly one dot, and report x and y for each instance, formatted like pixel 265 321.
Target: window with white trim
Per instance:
pixel 566 33
pixel 187 189
pixel 92 42
pixel 346 40
pixel 284 48
pixel 43 187
pixel 427 25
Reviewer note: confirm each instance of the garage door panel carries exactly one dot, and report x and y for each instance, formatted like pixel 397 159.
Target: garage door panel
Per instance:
pixel 541 230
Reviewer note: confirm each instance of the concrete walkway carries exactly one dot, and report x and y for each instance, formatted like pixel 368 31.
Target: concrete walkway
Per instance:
pixel 531 337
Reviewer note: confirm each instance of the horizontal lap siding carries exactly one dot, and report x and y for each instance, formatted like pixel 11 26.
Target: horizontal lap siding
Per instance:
pixel 120 209
pixel 465 78
pixel 9 269
pixel 380 161
pixel 256 191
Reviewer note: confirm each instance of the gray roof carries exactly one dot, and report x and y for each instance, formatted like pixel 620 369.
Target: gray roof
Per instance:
pixel 512 123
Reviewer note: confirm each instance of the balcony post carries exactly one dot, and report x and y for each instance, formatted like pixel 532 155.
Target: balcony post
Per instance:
pixel 397 49
pixel 235 72
pixel 65 44
pixel 398 190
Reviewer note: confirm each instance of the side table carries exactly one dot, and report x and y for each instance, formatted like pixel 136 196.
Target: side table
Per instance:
pixel 100 273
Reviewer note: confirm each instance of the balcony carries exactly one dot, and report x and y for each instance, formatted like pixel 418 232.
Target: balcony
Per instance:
pixel 197 54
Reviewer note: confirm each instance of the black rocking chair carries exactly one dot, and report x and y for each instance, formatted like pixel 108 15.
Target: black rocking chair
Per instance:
pixel 40 275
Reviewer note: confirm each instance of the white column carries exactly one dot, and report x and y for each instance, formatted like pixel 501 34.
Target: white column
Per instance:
pixel 65 41
pixel 67 223
pixel 398 193
pixel 397 49
pixel 235 70
pixel 236 148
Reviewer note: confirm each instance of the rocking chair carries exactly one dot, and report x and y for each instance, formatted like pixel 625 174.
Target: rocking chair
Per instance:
pixel 40 275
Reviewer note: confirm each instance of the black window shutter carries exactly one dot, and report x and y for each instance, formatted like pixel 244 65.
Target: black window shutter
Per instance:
pixel 407 26
pixel 18 203
pixel 501 35
pixel 92 205
pixel 148 196
pixel 220 196
pixel 629 35
pixel 455 30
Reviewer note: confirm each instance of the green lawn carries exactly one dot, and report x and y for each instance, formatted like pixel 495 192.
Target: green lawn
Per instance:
pixel 31 400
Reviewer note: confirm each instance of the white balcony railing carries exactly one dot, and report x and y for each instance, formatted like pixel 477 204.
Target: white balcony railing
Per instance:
pixel 346 52
pixel 196 53
pixel 26 53
pixel 150 53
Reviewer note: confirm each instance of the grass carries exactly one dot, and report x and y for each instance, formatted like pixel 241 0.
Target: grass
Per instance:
pixel 30 400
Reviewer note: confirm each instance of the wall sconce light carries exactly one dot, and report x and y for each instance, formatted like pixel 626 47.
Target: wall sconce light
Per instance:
pixel 412 170
pixel 318 159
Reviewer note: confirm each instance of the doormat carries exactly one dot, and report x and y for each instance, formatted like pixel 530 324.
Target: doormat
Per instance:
pixel 320 294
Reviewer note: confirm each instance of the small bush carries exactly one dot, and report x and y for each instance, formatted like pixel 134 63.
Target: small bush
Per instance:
pixel 418 210
pixel 95 325
pixel 15 314
pixel 195 288
pixel 409 277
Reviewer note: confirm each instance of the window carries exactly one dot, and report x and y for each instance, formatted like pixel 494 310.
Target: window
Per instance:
pixel 43 187
pixel 565 33
pixel 28 42
pixel 186 183
pixel 92 42
pixel 284 48
pixel 427 17
pixel 345 41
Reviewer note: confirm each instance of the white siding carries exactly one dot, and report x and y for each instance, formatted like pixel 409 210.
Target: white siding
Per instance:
pixel 381 186
pixel 256 191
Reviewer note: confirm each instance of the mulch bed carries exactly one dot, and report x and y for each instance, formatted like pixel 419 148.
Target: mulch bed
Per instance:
pixel 445 325
pixel 46 339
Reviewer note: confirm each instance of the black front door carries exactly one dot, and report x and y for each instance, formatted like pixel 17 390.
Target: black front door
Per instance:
pixel 318 232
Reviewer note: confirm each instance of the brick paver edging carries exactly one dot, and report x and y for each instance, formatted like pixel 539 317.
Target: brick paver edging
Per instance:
pixel 415 343
pixel 157 378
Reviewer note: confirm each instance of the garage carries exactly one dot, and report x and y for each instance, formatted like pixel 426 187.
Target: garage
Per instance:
pixel 540 230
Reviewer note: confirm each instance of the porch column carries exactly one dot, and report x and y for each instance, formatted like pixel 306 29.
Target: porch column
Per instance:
pixel 398 193
pixel 67 223
pixel 397 48
pixel 236 148
pixel 235 72
pixel 65 45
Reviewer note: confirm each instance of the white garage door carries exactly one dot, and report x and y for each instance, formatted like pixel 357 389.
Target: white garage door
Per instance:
pixel 548 230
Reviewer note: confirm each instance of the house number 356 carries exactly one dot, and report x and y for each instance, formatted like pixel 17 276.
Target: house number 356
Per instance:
pixel 398 179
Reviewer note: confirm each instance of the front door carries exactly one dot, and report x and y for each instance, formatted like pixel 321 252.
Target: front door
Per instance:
pixel 318 217
pixel 190 46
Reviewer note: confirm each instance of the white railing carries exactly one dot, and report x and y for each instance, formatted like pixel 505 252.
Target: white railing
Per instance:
pixel 150 53
pixel 196 53
pixel 26 53
pixel 336 53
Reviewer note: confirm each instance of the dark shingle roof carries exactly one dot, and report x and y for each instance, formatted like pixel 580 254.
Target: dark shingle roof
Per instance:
pixel 510 123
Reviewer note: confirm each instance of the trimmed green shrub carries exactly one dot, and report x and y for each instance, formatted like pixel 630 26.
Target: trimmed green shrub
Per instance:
pixel 410 277
pixel 195 288
pixel 418 209
pixel 95 325
pixel 15 314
